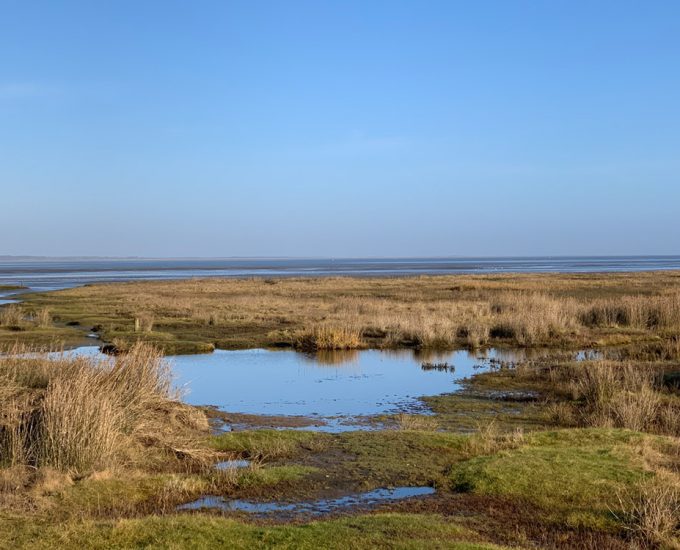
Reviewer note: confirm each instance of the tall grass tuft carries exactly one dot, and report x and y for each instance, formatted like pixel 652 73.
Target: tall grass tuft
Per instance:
pixel 78 414
pixel 326 337
pixel 11 316
pixel 78 422
pixel 652 513
pixel 623 395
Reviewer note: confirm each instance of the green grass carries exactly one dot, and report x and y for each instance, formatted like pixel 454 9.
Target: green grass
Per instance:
pixel 139 494
pixel 574 475
pixel 465 413
pixel 399 457
pixel 270 444
pixel 201 531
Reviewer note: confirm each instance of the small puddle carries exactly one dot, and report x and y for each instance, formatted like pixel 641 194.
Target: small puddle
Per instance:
pixel 317 507
pixel 232 464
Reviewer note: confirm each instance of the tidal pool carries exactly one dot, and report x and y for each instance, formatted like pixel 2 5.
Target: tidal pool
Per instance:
pixel 334 388
pixel 290 383
pixel 316 507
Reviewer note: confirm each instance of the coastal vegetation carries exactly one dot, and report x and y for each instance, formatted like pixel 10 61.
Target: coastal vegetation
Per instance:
pixel 545 452
pixel 193 316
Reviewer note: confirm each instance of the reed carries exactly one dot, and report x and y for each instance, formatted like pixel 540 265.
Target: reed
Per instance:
pixel 422 312
pixel 624 395
pixel 78 414
pixel 11 316
pixel 326 337
pixel 651 511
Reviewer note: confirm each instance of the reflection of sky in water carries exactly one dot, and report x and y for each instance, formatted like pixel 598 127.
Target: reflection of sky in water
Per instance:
pixel 290 383
pixel 317 507
pixel 356 383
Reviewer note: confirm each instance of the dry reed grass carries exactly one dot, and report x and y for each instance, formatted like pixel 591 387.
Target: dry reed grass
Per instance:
pixel 624 395
pixel 417 422
pixel 80 414
pixel 651 512
pixel 11 316
pixel 488 439
pixel 325 337
pixel 389 312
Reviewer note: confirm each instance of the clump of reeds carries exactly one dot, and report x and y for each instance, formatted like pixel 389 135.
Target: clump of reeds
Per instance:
pixel 327 337
pixel 14 317
pixel 647 312
pixel 78 414
pixel 41 317
pixel 651 511
pixel 624 395
pixel 11 316
pixel 417 422
pixel 144 323
pixel 488 439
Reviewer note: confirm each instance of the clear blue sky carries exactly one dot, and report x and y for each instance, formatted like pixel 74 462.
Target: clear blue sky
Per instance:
pixel 339 128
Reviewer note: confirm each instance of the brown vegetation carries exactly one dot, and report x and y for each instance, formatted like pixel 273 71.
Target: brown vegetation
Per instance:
pixel 77 414
pixel 339 313
pixel 652 512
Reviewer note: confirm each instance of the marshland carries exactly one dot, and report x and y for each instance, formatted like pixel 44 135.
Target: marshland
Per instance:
pixel 460 405
pixel 339 274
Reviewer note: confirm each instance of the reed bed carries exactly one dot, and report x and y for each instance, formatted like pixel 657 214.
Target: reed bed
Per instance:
pixel 607 393
pixel 337 313
pixel 79 414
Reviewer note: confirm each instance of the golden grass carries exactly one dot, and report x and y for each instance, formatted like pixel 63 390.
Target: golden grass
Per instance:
pixel 324 337
pixel 79 414
pixel 417 422
pixel 11 316
pixel 624 395
pixel 340 313
pixel 488 439
pixel 652 512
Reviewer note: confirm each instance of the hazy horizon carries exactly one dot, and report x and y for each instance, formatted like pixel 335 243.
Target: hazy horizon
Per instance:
pixel 331 258
pixel 340 130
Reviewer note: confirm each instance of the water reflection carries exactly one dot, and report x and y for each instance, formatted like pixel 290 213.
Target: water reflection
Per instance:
pixel 333 357
pixel 337 389
pixel 317 507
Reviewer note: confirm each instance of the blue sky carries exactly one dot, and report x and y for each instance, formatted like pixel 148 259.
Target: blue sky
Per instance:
pixel 339 128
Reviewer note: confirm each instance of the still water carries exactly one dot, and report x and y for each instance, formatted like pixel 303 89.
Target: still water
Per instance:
pixel 369 499
pixel 330 387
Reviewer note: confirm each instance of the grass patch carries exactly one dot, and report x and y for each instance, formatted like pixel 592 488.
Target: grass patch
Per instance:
pixel 78 415
pixel 399 457
pixel 270 444
pixel 574 475
pixel 201 531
